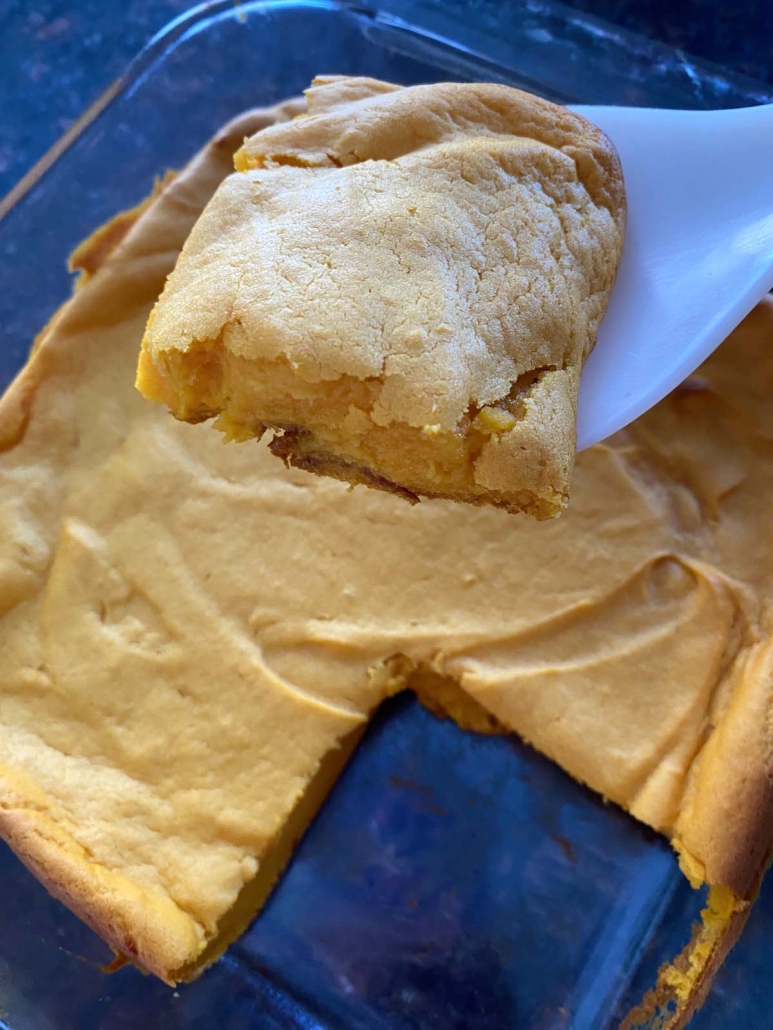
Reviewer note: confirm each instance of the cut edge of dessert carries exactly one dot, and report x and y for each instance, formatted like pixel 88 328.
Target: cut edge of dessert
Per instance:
pixel 529 427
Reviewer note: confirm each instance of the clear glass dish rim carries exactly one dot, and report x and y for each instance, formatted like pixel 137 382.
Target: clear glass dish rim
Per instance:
pixel 431 28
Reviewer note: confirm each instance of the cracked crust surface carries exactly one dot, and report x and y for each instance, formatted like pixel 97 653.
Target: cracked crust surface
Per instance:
pixel 189 631
pixel 406 283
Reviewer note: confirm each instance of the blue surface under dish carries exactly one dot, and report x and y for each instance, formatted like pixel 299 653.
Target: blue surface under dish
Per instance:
pixel 451 880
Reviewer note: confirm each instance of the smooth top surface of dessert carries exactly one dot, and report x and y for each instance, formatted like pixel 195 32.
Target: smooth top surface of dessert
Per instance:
pixel 188 629
pixel 405 282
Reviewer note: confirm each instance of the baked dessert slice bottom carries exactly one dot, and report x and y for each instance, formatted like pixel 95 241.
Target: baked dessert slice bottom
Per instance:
pixel 192 638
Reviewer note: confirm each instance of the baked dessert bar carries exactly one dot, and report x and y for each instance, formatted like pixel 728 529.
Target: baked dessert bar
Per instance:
pixel 401 287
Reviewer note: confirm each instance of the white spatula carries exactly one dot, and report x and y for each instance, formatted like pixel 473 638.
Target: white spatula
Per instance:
pixel 698 253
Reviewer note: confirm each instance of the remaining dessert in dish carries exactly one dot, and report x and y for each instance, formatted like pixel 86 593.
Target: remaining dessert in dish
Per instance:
pixel 402 287
pixel 193 638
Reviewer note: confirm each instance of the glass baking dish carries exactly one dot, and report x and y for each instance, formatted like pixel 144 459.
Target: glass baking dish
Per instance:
pixel 451 880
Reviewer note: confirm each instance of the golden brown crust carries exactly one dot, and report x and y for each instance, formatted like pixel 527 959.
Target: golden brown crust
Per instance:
pixel 149 930
pixel 409 277
pixel 289 447
pixel 683 983
pixel 727 817
pixel 297 450
pixel 719 950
